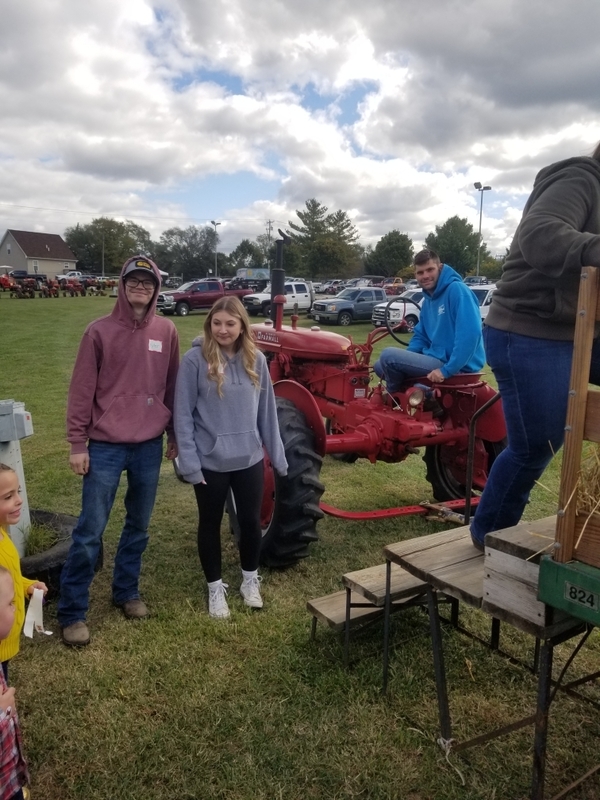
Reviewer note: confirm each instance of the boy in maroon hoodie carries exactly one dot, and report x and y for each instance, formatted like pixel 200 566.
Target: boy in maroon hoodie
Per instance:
pixel 120 403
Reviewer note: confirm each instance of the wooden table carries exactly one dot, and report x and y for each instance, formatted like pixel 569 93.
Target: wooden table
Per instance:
pixel 448 562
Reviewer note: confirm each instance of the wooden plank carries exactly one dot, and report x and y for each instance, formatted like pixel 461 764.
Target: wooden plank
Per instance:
pixel 591 430
pixel 331 609
pixel 588 550
pixel 463 581
pixel 370 583
pixel 518 597
pixel 430 561
pixel 514 567
pixel 524 540
pixel 587 305
pixel 540 632
pixel 424 542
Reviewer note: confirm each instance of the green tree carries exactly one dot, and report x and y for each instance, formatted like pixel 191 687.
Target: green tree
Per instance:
pixel 106 243
pixel 247 254
pixel 456 244
pixel 189 252
pixel 323 244
pixel 392 254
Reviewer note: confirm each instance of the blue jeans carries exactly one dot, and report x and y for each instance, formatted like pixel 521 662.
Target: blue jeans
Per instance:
pixel 396 365
pixel 108 461
pixel 533 378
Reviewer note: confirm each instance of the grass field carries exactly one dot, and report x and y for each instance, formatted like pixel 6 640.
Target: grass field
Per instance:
pixel 186 707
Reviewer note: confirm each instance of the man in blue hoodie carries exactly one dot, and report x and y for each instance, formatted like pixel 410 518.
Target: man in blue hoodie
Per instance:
pixel 447 339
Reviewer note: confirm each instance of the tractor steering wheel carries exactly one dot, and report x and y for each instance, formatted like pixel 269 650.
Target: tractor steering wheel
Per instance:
pixel 388 325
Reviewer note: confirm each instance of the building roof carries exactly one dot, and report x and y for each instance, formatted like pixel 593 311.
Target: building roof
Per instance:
pixel 43 245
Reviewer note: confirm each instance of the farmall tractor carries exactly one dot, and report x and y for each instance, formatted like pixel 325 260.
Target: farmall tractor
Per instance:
pixel 326 404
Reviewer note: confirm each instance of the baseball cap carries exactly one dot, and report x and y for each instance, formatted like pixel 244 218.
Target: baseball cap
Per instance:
pixel 139 265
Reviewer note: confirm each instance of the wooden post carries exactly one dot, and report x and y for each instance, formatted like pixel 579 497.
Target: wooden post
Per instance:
pixel 587 305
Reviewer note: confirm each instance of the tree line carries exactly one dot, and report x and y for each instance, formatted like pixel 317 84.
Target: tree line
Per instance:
pixel 323 245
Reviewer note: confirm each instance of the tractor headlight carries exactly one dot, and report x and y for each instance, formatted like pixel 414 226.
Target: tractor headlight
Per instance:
pixel 414 398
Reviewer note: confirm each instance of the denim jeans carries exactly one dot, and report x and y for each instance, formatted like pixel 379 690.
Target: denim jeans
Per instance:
pixel 108 461
pixel 395 365
pixel 533 378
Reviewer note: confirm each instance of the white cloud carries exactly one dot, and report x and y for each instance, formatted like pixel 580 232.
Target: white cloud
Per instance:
pixel 387 110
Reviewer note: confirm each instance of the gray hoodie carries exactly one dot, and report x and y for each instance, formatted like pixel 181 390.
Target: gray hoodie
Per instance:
pixel 559 234
pixel 224 434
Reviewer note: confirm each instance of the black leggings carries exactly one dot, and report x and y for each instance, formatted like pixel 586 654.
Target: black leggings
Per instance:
pixel 247 488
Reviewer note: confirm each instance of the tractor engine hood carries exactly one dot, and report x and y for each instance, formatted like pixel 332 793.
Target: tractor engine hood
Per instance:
pixel 302 342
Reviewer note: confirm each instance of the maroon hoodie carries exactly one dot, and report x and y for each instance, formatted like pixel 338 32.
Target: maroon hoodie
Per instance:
pixel 123 382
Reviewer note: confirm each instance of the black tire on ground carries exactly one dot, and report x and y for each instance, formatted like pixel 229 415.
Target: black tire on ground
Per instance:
pixel 411 321
pixel 266 310
pixel 182 309
pixel 345 318
pixel 446 474
pixel 291 512
pixel 47 565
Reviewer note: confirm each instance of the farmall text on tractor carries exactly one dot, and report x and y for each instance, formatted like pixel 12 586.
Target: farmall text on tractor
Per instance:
pixel 327 405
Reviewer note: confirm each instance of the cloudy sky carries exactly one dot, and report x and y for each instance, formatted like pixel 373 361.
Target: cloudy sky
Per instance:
pixel 186 111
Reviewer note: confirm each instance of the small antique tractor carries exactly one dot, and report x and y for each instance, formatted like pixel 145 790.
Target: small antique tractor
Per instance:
pixel 326 404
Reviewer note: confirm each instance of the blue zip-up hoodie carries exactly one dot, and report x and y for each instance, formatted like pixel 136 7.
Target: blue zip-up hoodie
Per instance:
pixel 449 327
pixel 224 434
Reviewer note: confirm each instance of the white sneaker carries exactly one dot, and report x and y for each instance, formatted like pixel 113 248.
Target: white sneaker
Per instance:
pixel 250 591
pixel 217 604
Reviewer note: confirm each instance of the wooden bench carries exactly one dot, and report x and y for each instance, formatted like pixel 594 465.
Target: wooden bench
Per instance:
pixel 362 601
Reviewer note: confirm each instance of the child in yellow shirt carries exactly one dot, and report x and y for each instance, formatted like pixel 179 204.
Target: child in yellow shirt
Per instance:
pixel 10 511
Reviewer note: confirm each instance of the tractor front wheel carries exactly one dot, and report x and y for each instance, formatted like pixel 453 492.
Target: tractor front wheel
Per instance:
pixel 290 508
pixel 447 467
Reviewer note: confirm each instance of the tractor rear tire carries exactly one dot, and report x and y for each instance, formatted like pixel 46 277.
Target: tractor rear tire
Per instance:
pixel 290 509
pixel 447 477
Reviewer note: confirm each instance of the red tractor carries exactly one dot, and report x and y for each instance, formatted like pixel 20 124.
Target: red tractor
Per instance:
pixel 326 404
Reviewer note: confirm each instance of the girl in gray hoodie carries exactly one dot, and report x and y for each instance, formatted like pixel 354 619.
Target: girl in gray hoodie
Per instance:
pixel 224 414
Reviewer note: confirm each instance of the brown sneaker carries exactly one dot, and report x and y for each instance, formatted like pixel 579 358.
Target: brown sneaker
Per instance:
pixel 76 635
pixel 135 609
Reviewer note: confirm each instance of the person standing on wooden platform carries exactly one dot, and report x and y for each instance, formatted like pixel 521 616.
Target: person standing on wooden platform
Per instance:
pixel 529 331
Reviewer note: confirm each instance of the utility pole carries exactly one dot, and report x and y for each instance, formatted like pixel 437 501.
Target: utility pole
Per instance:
pixel 212 222
pixel 269 228
pixel 481 189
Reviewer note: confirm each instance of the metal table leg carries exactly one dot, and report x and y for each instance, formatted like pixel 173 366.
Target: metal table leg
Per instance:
pixel 386 624
pixel 541 721
pixel 438 664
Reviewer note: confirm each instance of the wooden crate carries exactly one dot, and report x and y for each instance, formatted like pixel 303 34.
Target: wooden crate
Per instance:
pixel 511 578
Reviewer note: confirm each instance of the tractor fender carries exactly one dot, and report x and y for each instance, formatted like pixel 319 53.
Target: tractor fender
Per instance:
pixel 306 403
pixel 490 426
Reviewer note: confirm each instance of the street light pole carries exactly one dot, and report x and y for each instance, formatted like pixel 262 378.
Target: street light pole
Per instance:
pixel 481 189
pixel 212 222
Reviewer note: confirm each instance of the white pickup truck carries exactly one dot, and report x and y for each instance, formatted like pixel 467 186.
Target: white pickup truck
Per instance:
pixel 297 292
pixel 71 275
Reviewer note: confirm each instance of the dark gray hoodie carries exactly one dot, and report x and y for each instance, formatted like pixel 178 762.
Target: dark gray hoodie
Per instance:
pixel 559 234
pixel 224 434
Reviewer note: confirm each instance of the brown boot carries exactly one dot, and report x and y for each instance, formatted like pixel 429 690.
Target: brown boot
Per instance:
pixel 76 635
pixel 135 609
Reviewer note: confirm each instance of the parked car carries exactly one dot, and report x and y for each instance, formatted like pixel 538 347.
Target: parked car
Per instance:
pixel 413 283
pixel 476 280
pixel 333 287
pixel 297 293
pixel 484 297
pixel 394 286
pixel 406 306
pixel 194 295
pixel 350 305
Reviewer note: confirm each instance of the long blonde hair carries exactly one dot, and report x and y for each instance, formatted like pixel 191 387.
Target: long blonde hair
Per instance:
pixel 245 342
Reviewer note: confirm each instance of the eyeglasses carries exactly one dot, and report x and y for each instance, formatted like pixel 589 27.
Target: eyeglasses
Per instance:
pixel 133 283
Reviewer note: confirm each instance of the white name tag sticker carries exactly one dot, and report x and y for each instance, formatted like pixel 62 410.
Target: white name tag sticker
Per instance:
pixel 155 346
